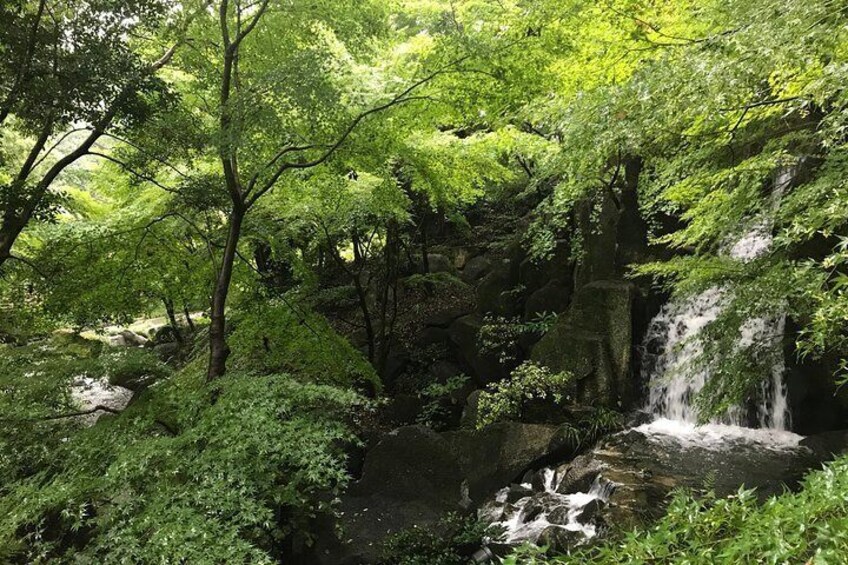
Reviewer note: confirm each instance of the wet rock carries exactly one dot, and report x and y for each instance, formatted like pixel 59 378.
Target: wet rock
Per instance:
pixel 517 492
pixel 558 539
pixel 647 466
pixel 591 511
pixel 827 445
pixel 578 476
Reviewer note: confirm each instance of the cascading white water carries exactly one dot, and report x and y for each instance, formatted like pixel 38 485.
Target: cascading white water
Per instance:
pixel 672 374
pixel 675 378
pixel 528 517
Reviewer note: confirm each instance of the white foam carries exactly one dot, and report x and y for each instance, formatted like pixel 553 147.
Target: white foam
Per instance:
pixel 718 436
pixel 518 528
pixel 90 393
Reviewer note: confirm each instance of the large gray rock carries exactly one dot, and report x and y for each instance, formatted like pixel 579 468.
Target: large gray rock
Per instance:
pixel 626 480
pixel 440 264
pixel 494 292
pixel 646 468
pixel 413 476
pixel 594 341
pixel 475 268
pixel 554 297
pixel 132 339
pixel 463 334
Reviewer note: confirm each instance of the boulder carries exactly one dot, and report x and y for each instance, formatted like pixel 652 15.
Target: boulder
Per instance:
pixel 593 341
pixel 558 540
pixel 475 268
pixel 554 296
pixel 132 339
pixel 167 351
pixel 598 221
pixel 444 317
pixel 494 292
pixel 647 466
pixel 443 370
pixel 440 264
pixel 498 454
pixel 827 445
pixel 469 412
pixel 484 368
pixel 414 475
pixel 402 410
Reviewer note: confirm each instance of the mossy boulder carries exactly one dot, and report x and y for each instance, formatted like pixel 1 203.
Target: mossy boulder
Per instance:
pixel 594 341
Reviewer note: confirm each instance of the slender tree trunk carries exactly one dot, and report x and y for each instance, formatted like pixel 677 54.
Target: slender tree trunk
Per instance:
pixel 425 247
pixel 9 232
pixel 189 321
pixel 218 348
pixel 172 319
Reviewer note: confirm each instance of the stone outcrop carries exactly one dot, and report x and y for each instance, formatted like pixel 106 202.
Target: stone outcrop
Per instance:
pixel 594 341
pixel 414 475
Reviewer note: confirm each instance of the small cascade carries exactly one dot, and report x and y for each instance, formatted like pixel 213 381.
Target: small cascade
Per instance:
pixel 672 374
pixel 526 514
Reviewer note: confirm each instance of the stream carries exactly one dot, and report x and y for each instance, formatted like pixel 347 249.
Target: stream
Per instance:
pixel 629 475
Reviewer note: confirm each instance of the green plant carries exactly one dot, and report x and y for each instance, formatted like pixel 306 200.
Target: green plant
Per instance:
pixel 500 334
pixel 504 400
pixel 132 367
pixel 450 541
pixel 175 478
pixel 435 397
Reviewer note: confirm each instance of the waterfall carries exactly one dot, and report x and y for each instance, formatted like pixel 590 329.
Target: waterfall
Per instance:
pixel 541 510
pixel 674 335
pixel 533 512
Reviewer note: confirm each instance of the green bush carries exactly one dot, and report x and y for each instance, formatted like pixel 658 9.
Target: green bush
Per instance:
pixel 449 542
pixel 505 400
pixel 274 337
pixel 179 479
pixel 132 367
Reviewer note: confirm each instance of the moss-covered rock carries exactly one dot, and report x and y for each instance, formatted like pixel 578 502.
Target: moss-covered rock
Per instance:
pixel 594 341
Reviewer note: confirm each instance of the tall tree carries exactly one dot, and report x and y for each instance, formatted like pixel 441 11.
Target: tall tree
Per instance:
pixel 284 107
pixel 70 72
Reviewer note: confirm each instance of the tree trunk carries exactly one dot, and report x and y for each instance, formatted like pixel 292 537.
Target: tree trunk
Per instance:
pixel 189 321
pixel 218 348
pixel 172 319
pixel 8 235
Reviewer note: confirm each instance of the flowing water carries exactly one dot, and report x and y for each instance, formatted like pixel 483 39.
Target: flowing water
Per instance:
pixel 674 375
pixel 757 433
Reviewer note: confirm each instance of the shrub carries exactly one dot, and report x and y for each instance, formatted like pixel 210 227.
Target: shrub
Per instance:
pixel 132 367
pixel 276 337
pixel 449 542
pixel 505 400
pixel 177 479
